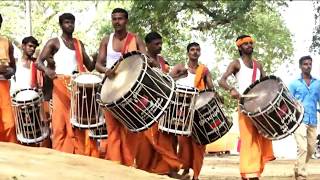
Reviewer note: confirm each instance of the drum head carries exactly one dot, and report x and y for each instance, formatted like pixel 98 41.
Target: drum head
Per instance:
pixel 90 78
pixel 203 98
pixel 266 90
pixel 127 73
pixel 26 95
pixel 186 89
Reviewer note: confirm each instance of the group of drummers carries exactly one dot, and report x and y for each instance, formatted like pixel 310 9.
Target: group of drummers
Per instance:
pixel 128 106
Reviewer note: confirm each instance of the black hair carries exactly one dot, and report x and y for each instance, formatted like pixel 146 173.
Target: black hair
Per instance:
pixel 303 58
pixel 192 44
pixel 152 36
pixel 30 39
pixel 241 37
pixel 64 16
pixel 120 10
pixel 1 19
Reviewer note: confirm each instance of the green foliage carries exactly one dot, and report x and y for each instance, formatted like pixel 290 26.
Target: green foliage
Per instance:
pixel 316 31
pixel 179 22
pixel 220 22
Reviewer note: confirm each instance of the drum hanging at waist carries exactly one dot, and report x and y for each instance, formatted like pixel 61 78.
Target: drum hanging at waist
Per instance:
pixel 138 94
pixel 272 109
pixel 32 125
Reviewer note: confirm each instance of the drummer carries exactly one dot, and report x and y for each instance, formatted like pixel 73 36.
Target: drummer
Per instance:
pixel 156 152
pixel 68 59
pixel 255 150
pixel 26 72
pixel 122 144
pixel 196 75
pixel 26 75
pixel 7 69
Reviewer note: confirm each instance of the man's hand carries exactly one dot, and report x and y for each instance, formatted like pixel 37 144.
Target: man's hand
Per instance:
pixel 235 94
pixel 50 73
pixel 8 73
pixel 182 73
pixel 110 73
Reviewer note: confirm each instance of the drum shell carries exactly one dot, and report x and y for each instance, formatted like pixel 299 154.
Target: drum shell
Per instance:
pixel 280 117
pixel 210 123
pixel 131 100
pixel 85 110
pixel 31 123
pixel 88 105
pixel 285 123
pixel 143 103
pixel 178 118
pixel 99 132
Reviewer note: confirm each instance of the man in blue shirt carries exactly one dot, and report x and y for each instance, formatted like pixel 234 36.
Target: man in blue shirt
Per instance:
pixel 306 89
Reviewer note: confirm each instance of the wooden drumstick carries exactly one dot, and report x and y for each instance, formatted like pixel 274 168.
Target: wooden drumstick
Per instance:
pixel 249 95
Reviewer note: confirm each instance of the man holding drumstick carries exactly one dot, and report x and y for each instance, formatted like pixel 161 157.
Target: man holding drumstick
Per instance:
pixel 255 150
pixel 121 144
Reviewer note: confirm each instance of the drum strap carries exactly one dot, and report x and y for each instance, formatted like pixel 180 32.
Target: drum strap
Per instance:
pixel 254 74
pixel 78 49
pixel 125 48
pixel 163 64
pixel 34 73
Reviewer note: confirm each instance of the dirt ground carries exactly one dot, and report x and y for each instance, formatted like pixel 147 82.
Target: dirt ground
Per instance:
pixel 23 163
pixel 227 168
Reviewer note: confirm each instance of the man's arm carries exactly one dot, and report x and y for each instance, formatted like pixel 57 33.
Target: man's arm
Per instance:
pixel 233 68
pixel 263 73
pixel 178 71
pixel 48 50
pixel 11 70
pixel 102 56
pixel 208 80
pixel 90 65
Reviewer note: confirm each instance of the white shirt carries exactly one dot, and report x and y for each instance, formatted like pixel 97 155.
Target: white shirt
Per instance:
pixel 112 56
pixel 65 59
pixel 244 77
pixel 187 81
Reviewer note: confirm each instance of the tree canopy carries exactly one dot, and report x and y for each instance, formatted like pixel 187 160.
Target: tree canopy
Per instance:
pixel 217 22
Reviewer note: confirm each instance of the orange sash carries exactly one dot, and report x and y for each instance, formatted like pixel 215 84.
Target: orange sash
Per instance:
pixel 199 82
pixel 79 55
pixel 33 71
pixel 130 43
pixel 164 66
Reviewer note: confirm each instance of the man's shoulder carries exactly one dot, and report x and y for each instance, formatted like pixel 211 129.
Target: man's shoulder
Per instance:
pixel 295 82
pixel 5 39
pixel 2 37
pixel 53 40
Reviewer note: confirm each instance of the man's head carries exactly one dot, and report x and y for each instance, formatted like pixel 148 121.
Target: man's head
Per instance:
pixel 305 64
pixel 119 19
pixel 245 44
pixel 154 42
pixel 193 51
pixel 29 45
pixel 66 22
pixel 1 20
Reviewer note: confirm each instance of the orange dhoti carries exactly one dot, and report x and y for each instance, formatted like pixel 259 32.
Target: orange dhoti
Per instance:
pixel 255 150
pixel 156 153
pixel 121 144
pixel 64 137
pixel 91 147
pixel 191 154
pixel 7 127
